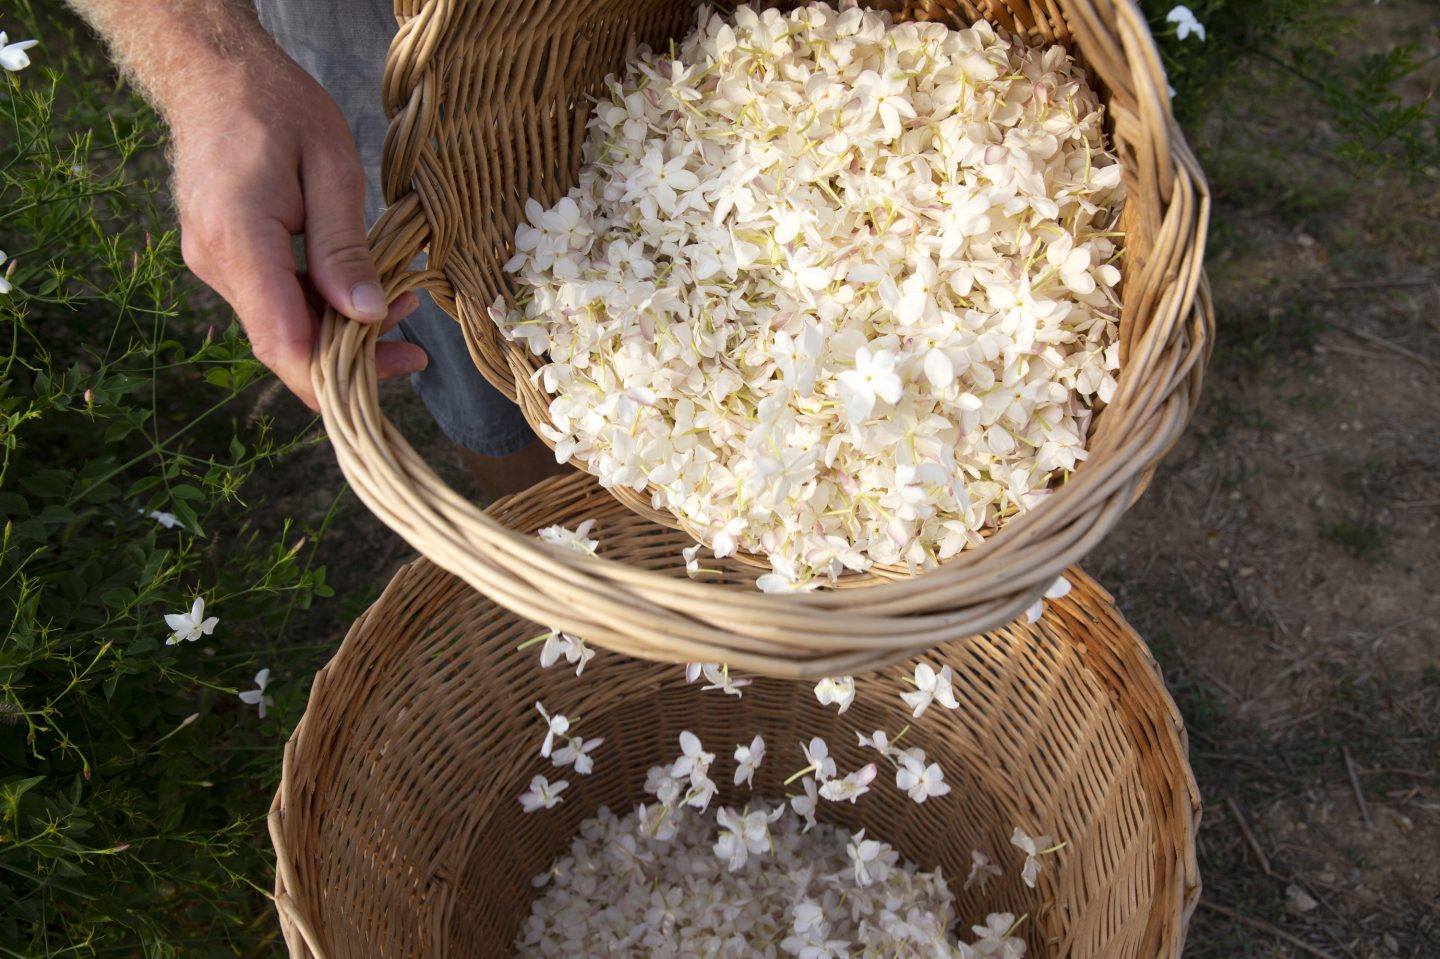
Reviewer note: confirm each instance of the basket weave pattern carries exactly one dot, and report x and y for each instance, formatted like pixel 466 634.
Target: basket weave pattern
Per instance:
pixel 486 116
pixel 398 834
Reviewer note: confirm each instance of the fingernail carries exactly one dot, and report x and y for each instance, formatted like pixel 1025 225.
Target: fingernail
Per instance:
pixel 367 300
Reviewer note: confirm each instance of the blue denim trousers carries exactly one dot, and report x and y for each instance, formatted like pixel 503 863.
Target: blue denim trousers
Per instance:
pixel 342 44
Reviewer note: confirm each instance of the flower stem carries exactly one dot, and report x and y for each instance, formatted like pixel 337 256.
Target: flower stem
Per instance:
pixel 807 769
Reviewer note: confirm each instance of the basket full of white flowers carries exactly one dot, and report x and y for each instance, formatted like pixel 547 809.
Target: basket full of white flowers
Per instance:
pixel 904 296
pixel 467 784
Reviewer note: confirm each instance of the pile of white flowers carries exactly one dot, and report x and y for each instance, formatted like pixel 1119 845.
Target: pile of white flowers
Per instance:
pixel 821 893
pixel 769 879
pixel 840 291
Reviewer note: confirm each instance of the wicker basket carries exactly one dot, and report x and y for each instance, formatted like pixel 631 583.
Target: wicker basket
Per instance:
pixel 397 832
pixel 485 117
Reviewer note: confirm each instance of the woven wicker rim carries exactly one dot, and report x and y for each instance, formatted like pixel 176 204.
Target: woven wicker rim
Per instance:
pixel 1166 327
pixel 337 761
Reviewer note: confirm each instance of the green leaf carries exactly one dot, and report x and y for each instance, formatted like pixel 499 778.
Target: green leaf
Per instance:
pixel 142 485
pixel 57 515
pixel 14 789
pixel 186 514
pixel 118 430
pixel 68 869
pixel 188 493
pixel 117 596
pixel 48 482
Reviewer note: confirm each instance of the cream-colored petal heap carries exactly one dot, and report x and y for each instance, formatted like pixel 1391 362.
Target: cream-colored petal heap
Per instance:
pixel 839 290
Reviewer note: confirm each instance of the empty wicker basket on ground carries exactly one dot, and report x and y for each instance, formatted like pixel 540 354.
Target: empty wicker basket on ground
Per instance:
pixel 398 833
pixel 486 115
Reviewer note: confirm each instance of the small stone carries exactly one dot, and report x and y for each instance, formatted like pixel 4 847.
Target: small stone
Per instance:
pixel 1405 823
pixel 1298 900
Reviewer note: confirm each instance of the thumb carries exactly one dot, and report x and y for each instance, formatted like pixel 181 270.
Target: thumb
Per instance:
pixel 336 252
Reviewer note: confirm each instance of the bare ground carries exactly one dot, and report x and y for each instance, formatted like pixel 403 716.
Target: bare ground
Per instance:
pixel 1284 564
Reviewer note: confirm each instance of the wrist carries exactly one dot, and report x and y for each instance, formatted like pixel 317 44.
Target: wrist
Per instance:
pixel 229 93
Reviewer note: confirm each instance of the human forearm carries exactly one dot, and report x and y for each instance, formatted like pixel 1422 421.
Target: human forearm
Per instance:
pixel 181 52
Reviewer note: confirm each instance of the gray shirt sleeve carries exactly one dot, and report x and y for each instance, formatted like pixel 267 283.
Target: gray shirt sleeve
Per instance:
pixel 342 44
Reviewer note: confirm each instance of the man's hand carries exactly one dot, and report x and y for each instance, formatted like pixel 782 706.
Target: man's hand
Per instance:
pixel 261 155
pixel 251 172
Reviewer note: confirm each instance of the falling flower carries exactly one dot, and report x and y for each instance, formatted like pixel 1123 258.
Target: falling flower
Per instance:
pixel 931 686
pixel 257 696
pixel 882 743
pixel 190 626
pixel 836 690
pixel 748 759
pixel 1058 590
pixel 692 756
pixel 702 790
pixel 543 794
pixel 852 787
pixel 918 779
pixel 1034 848
pixel 805 805
pixel 577 751
pixel 980 869
pixel 1185 22
pixel 664 786
pixel 579 539
pixel 717 676
pixel 559 644
pixel 817 756
pixel 556 725
pixel 13 57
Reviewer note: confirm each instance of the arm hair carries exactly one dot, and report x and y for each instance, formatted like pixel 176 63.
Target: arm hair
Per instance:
pixel 172 50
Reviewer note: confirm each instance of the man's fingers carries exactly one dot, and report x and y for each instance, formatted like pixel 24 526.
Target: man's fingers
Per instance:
pixel 397 359
pixel 281 330
pixel 404 305
pixel 336 251
pixel 256 274
pixel 391 358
